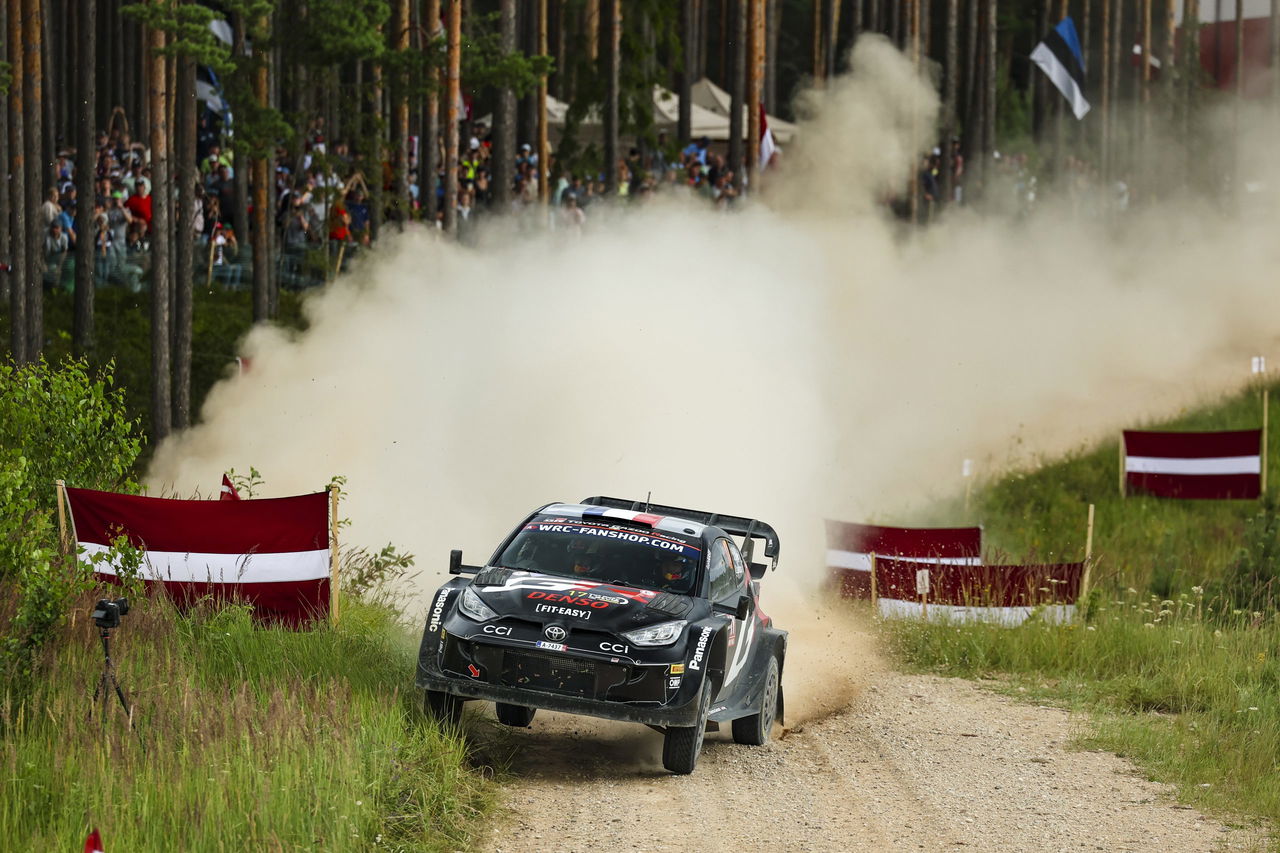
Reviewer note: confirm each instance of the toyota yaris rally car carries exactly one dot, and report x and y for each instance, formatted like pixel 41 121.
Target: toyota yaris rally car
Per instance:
pixel 615 609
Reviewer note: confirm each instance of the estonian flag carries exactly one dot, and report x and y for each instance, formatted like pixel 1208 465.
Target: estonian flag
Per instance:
pixel 1059 56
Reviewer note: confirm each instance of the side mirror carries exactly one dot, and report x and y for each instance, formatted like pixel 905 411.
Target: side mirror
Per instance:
pixel 758 570
pixel 744 607
pixel 455 562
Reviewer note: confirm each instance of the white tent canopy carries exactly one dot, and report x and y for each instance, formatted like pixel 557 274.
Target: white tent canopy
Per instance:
pixel 709 96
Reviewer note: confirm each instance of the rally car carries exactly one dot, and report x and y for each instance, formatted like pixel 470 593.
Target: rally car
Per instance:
pixel 616 609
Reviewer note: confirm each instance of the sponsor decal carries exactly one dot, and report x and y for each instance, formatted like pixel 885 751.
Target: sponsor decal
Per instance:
pixel 471 668
pixel 500 630
pixel 616 648
pixel 580 600
pixel 554 633
pixel 676 669
pixel 612 599
pixel 673 683
pixel 717 710
pixel 614 533
pixel 700 649
pixel 437 610
pixel 562 611
pixel 555 647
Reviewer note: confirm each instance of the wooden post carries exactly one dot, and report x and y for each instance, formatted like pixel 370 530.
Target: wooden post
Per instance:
pixel 333 556
pixel 875 599
pixel 208 279
pixel 60 491
pixel 1088 560
pixel 1122 489
pixel 1266 400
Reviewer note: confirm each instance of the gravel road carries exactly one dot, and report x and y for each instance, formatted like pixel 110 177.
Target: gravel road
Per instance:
pixel 907 762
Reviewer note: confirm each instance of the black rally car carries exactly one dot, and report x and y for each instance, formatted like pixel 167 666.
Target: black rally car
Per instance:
pixel 614 609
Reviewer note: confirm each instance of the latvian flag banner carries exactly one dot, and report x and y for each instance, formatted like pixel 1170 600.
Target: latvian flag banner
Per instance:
pixel 1204 465
pixel 850 546
pixel 1004 595
pixel 272 553
pixel 1059 57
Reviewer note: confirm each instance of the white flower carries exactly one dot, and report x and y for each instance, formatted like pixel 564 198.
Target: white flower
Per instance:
pixel 1198 590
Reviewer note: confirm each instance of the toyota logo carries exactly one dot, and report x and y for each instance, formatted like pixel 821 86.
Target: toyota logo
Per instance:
pixel 554 633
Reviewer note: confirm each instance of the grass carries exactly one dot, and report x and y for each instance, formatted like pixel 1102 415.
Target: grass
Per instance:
pixel 1174 676
pixel 245 738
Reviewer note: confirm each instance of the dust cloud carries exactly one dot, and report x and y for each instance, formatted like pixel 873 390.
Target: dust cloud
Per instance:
pixel 799 359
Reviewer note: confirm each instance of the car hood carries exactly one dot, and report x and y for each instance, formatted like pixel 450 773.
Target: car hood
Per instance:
pixel 586 603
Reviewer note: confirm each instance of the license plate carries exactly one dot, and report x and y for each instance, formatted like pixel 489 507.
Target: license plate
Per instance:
pixel 555 647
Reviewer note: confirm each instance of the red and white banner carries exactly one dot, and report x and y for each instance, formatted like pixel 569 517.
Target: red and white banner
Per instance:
pixel 93 844
pixel 963 593
pixel 228 491
pixel 850 546
pixel 1201 465
pixel 767 146
pixel 272 553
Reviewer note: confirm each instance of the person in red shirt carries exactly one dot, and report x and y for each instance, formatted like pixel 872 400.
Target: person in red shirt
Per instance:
pixel 139 204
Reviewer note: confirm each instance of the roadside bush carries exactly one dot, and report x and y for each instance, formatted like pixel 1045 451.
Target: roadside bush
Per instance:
pixel 1251 578
pixel 56 422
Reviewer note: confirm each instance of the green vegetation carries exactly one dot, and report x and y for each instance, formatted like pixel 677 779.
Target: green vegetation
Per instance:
pixel 242 737
pixel 1177 659
pixel 245 738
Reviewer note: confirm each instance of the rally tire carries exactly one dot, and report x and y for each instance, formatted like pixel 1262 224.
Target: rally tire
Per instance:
pixel 514 715
pixel 682 745
pixel 756 729
pixel 444 708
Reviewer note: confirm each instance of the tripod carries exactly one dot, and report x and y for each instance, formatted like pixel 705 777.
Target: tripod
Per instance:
pixel 108 682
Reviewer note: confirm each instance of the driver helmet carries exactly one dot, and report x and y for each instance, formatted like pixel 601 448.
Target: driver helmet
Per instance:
pixel 673 568
pixel 582 557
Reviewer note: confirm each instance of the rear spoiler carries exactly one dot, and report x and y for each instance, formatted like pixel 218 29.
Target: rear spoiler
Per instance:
pixel 748 528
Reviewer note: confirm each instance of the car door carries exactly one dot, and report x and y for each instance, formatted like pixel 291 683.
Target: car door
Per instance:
pixel 728 582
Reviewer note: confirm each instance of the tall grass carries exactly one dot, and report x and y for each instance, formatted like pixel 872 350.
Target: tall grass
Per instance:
pixel 243 738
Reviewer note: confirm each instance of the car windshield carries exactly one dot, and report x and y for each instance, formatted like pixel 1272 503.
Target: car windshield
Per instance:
pixel 607 553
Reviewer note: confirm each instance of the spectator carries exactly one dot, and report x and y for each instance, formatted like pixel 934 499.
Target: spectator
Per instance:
pixel 139 204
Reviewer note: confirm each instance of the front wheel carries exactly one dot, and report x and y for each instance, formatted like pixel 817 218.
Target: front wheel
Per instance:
pixel 514 715
pixel 443 707
pixel 682 745
pixel 755 730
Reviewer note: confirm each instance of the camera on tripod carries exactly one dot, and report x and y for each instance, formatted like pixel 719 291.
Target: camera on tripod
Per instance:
pixel 107 612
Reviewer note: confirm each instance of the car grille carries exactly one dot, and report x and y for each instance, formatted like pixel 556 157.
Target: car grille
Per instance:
pixel 555 673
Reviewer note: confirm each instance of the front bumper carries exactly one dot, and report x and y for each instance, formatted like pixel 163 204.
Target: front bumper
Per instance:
pixel 609 689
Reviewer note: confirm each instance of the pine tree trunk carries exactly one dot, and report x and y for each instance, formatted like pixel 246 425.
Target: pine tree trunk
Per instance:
pixel 374 176
pixel 989 102
pixel 689 49
pixel 48 75
pixel 38 180
pixel 737 87
pixel 17 211
pixel 612 10
pixel 771 56
pixel 400 126
pixel 161 193
pixel 949 101
pixel 86 228
pixel 431 118
pixel 504 125
pixel 452 72
pixel 185 175
pixel 260 235
pixel 754 80
pixel 6 202
pixel 240 163
pixel 543 146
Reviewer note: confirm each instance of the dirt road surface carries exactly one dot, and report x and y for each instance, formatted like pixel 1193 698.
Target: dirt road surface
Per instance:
pixel 910 763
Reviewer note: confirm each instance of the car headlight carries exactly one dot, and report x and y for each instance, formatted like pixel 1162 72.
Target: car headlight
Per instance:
pixel 662 634
pixel 473 605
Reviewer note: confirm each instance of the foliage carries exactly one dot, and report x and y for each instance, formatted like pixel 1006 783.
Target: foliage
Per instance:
pixel 485 64
pixel 6 77
pixel 338 31
pixel 255 738
pixel 66 423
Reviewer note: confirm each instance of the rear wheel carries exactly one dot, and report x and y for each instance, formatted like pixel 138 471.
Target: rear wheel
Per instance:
pixel 755 730
pixel 514 715
pixel 683 745
pixel 445 708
